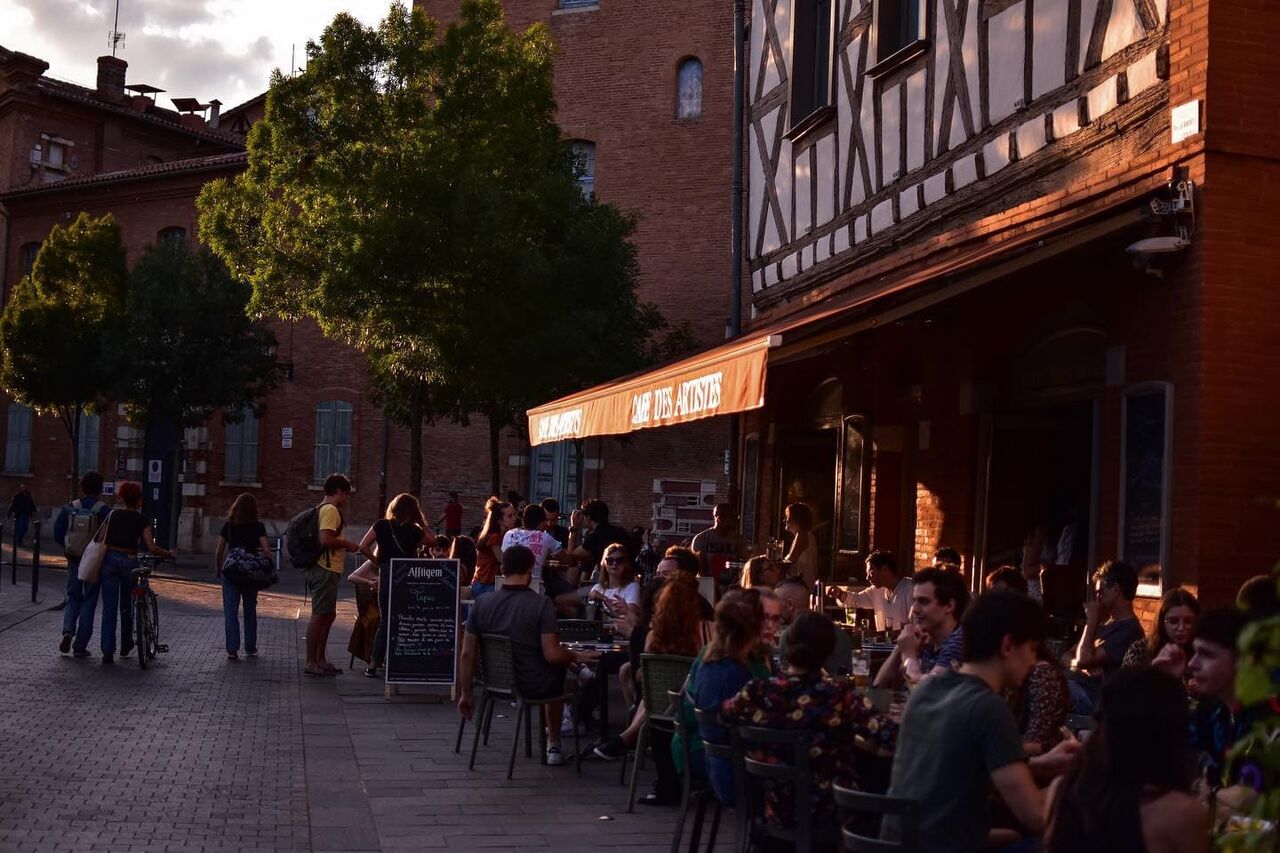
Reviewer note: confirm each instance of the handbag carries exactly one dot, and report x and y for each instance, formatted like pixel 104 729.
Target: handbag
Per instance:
pixel 249 571
pixel 94 553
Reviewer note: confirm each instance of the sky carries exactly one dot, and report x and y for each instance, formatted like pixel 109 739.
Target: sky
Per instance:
pixel 202 49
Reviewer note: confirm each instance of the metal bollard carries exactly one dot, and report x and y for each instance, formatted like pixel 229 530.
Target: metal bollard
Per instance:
pixel 35 562
pixel 279 547
pixel 13 562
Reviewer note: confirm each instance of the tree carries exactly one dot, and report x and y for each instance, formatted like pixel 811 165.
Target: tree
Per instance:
pixel 412 194
pixel 185 347
pixel 53 329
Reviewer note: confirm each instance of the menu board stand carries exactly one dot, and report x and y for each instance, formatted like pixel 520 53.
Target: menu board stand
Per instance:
pixel 422 623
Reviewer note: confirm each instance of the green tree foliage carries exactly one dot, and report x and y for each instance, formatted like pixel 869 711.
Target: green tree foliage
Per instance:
pixel 54 325
pixel 412 194
pixel 184 347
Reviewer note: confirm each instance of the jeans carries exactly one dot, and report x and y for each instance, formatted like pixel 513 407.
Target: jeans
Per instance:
pixel 479 589
pixel 232 597
pixel 1081 697
pixel 84 619
pixel 20 524
pixel 75 596
pixel 117 599
pixel 384 608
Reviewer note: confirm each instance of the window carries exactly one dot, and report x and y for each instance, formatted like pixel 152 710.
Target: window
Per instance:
pixel 333 439
pixel 52 152
pixel 689 89
pixel 89 447
pixel 899 26
pixel 17 447
pixel 852 474
pixel 172 236
pixel 584 155
pixel 241 439
pixel 811 58
pixel 750 486
pixel 29 253
pixel 579 4
pixel 1145 457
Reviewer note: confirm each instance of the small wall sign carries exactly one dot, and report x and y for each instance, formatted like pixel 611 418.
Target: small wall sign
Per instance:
pixel 286 437
pixel 1184 120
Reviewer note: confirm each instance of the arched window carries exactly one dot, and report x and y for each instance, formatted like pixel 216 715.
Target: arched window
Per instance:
pixel 584 153
pixel 17 446
pixel 333 439
pixel 689 89
pixel 173 235
pixel 29 252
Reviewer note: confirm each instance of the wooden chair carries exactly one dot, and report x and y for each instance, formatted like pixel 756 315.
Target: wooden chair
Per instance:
pixel 758 775
pixel 660 676
pixel 860 802
pixel 497 662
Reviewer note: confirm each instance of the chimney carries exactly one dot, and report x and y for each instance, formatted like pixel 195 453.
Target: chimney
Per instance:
pixel 111 78
pixel 191 121
pixel 215 110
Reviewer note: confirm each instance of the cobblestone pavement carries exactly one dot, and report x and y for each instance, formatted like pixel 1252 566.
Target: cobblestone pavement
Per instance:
pixel 199 753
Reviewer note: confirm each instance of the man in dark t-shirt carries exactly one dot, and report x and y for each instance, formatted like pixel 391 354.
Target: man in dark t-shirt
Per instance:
pixel 601 533
pixel 1110 628
pixel 959 737
pixel 528 618
pixel 558 531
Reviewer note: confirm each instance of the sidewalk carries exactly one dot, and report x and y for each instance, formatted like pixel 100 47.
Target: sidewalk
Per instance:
pixel 199 753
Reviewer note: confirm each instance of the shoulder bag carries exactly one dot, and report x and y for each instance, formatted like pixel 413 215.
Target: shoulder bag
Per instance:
pixel 94 552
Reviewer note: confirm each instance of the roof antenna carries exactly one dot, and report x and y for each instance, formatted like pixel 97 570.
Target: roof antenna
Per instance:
pixel 293 49
pixel 115 38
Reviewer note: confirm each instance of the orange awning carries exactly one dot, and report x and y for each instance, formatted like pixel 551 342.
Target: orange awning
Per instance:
pixel 722 381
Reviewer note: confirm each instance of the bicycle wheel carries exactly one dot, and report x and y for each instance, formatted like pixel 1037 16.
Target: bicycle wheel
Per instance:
pixel 153 608
pixel 140 630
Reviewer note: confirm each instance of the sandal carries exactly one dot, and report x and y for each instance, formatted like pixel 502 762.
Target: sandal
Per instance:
pixel 331 670
pixel 318 673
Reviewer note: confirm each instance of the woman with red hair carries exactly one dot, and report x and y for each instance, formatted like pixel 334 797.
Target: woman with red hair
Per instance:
pixel 127 529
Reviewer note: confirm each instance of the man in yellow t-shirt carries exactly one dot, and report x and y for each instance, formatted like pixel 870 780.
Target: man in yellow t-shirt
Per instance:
pixel 323 578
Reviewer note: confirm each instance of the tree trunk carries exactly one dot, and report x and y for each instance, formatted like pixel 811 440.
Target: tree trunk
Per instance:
pixel 495 432
pixel 415 442
pixel 75 451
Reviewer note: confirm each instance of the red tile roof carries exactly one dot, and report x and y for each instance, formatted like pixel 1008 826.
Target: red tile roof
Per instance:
pixel 216 162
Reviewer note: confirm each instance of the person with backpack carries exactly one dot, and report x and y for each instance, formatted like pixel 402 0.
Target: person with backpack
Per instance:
pixel 314 538
pixel 73 530
pixel 400 534
pixel 243 533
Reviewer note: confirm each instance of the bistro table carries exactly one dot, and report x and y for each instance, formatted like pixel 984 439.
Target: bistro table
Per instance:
pixel 612 656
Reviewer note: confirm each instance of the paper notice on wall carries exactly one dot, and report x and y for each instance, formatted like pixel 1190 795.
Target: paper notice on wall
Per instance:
pixel 1184 120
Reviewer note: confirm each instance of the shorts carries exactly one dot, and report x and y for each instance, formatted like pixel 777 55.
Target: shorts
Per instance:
pixel 322 586
pixel 543 683
pixel 556 585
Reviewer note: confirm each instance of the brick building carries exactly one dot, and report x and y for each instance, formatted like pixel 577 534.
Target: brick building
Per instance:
pixel 1011 270
pixel 651 119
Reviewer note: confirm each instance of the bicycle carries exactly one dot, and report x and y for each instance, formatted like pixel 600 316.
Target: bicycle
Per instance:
pixel 146 612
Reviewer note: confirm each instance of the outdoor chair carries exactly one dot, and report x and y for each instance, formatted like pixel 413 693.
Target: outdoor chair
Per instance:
pixel 727 751
pixel 497 662
pixel 760 775
pixel 862 803
pixel 660 676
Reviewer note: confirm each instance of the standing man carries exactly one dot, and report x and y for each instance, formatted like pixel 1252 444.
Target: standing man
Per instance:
pixel 719 543
pixel 323 577
pixel 933 641
pixel 74 528
pixel 889 594
pixel 21 508
pixel 528 618
pixel 452 517
pixel 1110 627
pixel 959 738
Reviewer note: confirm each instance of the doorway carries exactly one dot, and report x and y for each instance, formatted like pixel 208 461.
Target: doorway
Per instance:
pixel 1040 487
pixel 553 473
pixel 808 474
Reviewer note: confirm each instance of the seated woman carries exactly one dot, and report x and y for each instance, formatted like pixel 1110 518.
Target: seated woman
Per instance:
pixel 833 709
pixel 618 592
pixel 1175 626
pixel 759 571
pixel 725 670
pixel 1130 787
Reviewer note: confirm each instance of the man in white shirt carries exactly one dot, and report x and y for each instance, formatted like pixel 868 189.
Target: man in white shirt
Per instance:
pixel 889 594
pixel 531 535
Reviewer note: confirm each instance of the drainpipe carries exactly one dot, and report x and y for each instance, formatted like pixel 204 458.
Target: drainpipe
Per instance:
pixel 735 226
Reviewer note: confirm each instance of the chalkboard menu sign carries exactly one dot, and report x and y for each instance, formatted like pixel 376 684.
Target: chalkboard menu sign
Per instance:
pixel 422 622
pixel 1144 524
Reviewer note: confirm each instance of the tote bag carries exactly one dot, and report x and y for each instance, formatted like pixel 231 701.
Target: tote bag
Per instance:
pixel 91 560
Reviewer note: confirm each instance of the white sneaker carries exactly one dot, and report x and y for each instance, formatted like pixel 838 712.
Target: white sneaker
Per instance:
pixel 566 722
pixel 554 757
pixel 585 674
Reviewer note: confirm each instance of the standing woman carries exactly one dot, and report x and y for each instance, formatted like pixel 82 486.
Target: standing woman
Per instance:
pixel 802 558
pixel 126 529
pixel 401 533
pixel 501 517
pixel 242 530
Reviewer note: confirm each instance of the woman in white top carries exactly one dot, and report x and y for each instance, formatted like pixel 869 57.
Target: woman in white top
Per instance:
pixel 618 590
pixel 802 558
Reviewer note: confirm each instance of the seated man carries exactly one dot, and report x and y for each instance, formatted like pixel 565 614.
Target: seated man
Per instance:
pixel 794 593
pixel 1110 628
pixel 529 619
pixel 959 738
pixel 889 594
pixel 933 640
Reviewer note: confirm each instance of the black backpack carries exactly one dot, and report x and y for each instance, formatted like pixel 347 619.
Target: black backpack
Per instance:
pixel 302 538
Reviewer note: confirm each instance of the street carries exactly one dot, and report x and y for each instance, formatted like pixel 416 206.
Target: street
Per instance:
pixel 201 753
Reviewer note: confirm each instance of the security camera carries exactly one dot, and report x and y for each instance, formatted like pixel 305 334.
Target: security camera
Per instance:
pixel 1154 247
